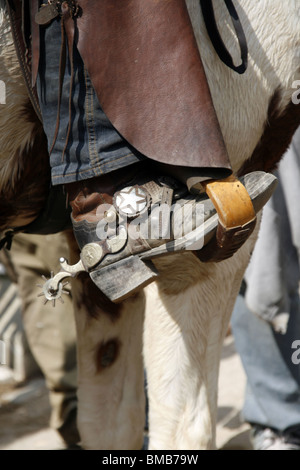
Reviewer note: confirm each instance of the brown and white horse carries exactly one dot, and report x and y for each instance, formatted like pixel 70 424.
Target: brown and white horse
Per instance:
pixel 175 327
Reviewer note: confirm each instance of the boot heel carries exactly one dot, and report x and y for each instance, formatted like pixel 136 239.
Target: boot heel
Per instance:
pixel 123 278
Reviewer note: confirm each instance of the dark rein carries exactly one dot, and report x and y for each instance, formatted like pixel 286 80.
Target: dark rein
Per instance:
pixel 215 37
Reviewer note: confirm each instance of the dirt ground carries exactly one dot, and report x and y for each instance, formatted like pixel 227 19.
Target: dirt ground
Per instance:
pixel 25 411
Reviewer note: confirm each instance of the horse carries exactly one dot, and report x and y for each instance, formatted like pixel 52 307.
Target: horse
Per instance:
pixel 174 328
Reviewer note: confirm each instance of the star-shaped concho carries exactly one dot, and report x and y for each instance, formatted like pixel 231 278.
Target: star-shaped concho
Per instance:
pixel 131 200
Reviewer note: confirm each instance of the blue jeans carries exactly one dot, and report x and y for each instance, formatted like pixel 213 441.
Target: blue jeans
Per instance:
pixel 272 397
pixel 93 146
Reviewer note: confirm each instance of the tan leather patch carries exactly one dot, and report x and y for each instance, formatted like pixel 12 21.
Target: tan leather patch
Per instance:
pixel 232 202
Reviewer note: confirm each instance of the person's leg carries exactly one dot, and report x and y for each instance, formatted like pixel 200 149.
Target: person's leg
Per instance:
pixel 272 395
pixel 50 331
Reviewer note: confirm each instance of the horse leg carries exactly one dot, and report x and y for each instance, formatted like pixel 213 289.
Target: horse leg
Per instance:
pixel 187 315
pixel 111 402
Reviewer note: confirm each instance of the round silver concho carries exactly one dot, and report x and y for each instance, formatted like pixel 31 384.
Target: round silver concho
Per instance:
pixel 132 200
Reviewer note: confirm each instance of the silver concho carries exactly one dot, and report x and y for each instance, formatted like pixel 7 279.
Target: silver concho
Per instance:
pixel 131 201
pixel 91 254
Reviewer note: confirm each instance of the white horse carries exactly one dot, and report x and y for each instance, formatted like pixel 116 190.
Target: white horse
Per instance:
pixel 174 328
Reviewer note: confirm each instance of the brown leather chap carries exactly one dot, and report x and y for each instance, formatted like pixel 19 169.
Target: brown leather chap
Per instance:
pixel 145 66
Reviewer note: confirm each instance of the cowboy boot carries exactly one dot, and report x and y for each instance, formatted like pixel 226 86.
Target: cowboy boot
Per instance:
pixel 121 223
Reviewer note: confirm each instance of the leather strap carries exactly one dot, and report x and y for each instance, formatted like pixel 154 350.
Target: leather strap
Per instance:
pixel 35 41
pixel 62 67
pixel 15 11
pixel 215 37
